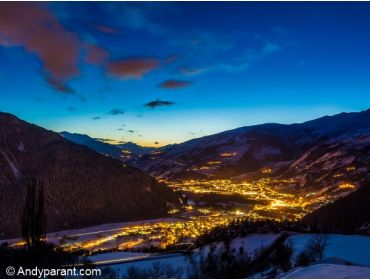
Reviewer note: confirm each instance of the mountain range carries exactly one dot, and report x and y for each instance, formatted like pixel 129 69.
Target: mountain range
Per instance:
pixel 81 186
pixel 318 153
pixel 327 158
pixel 123 151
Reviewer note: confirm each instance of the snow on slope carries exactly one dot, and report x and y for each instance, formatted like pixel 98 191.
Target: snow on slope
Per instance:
pixel 250 243
pixel 175 261
pixel 116 256
pixel 352 248
pixel 329 271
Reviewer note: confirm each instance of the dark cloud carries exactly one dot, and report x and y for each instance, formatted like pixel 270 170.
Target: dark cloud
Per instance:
pixel 174 84
pixel 156 143
pixel 105 29
pixel 116 112
pixel 60 85
pixel 120 129
pixel 131 131
pixel 132 67
pixel 36 29
pixel 72 109
pixel 96 118
pixel 157 103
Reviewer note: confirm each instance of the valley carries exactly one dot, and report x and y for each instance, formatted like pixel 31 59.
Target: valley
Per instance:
pixel 205 205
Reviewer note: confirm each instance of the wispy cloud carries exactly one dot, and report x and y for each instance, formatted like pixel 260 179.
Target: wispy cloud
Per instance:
pixel 72 109
pixel 94 54
pixel 174 84
pixel 132 67
pixel 136 17
pixel 158 103
pixel 190 71
pixel 105 29
pixel 243 62
pixel 115 112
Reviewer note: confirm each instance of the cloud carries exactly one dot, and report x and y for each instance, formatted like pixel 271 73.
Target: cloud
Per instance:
pixel 250 56
pixel 36 29
pixel 132 67
pixel 158 103
pixel 95 55
pixel 269 48
pixel 72 109
pixel 105 29
pixel 171 58
pixel 188 71
pixel 96 118
pixel 59 85
pixel 115 112
pixel 174 84
pixel 135 16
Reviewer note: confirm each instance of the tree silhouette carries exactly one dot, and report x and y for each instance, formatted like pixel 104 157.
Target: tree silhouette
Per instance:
pixel 33 216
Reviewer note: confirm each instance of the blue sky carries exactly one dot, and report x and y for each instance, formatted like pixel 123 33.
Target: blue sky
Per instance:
pixel 166 72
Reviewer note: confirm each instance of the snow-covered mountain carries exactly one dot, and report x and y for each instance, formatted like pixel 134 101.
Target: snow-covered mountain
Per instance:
pixel 92 143
pixel 322 153
pixel 123 151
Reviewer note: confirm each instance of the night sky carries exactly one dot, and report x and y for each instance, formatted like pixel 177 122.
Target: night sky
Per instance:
pixel 167 72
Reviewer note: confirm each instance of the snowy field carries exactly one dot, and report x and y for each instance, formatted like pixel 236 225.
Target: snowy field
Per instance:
pixel 175 260
pixel 352 248
pixel 250 243
pixel 329 271
pixel 105 258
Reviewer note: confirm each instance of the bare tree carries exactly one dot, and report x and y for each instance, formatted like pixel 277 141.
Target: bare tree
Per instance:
pixel 318 245
pixel 33 216
pixel 313 251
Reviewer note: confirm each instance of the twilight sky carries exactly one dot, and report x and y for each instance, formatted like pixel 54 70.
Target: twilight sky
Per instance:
pixel 166 72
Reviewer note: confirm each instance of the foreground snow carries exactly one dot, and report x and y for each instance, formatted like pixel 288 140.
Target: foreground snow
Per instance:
pixel 352 248
pixel 341 249
pixel 327 271
pixel 117 257
pixel 174 260
pixel 250 243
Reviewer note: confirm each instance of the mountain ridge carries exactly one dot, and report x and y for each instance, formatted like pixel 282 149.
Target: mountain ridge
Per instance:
pixel 329 156
pixel 82 187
